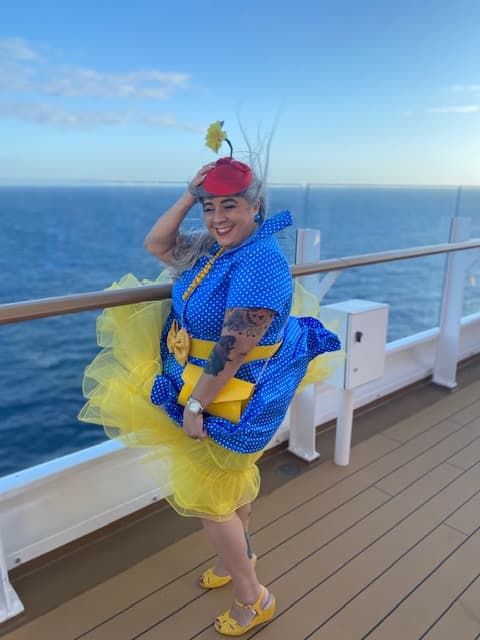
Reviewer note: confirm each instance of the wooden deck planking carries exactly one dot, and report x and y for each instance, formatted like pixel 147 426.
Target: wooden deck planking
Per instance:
pixel 110 598
pixel 434 595
pixel 437 438
pixel 457 441
pixel 461 619
pixel 461 406
pixel 357 618
pixel 318 588
pixel 467 457
pixel 347 551
pixel 465 519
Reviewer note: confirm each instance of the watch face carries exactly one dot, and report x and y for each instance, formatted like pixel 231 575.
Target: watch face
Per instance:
pixel 194 406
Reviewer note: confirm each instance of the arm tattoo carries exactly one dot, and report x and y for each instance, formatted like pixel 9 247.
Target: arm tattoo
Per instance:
pixel 219 356
pixel 249 320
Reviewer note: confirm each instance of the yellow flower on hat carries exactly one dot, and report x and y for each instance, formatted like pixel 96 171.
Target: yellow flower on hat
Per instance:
pixel 215 136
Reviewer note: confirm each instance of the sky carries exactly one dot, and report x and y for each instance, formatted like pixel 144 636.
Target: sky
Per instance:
pixel 355 91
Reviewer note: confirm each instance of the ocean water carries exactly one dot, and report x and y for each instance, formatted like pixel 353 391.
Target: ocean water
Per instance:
pixel 63 240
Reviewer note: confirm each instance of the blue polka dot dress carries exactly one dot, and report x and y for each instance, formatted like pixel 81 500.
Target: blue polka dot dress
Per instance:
pixel 254 274
pixel 216 476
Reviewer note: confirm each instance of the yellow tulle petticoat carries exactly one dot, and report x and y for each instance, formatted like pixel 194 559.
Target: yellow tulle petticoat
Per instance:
pixel 201 478
pixel 322 367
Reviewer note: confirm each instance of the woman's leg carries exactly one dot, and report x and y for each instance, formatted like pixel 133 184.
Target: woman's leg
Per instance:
pixel 229 540
pixel 244 515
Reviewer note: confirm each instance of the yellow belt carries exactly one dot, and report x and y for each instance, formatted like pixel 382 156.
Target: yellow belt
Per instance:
pixel 183 346
pixel 202 349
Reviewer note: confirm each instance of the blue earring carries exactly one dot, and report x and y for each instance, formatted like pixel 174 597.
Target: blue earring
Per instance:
pixel 257 217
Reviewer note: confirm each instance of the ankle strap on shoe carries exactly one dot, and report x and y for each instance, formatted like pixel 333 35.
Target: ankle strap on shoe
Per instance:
pixel 254 605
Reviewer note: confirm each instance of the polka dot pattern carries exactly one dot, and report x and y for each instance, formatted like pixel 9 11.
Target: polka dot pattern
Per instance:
pixel 254 274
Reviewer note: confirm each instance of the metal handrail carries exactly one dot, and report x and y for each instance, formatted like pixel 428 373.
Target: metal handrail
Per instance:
pixel 46 307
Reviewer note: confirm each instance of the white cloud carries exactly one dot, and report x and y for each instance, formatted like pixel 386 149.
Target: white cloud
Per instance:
pixel 14 77
pixel 469 108
pixel 153 84
pixel 473 89
pixel 21 71
pixel 63 118
pixel 16 58
pixel 168 121
pixel 44 113
pixel 17 49
pixel 24 71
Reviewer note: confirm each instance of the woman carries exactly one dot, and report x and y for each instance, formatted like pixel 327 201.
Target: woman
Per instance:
pixel 228 335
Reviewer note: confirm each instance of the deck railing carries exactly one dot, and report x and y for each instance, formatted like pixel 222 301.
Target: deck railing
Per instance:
pixel 42 308
pixel 16 499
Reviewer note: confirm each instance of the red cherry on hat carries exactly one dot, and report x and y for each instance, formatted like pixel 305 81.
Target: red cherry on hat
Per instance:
pixel 227 177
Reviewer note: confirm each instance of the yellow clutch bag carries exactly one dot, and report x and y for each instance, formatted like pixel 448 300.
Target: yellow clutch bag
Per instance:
pixel 230 402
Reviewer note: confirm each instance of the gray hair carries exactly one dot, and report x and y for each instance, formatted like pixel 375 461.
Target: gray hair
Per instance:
pixel 188 248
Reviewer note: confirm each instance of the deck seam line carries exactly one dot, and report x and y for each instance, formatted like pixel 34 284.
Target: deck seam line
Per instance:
pixel 389 437
pixel 452 464
pixel 448 416
pixel 455 529
pixel 360 552
pixel 387 493
pixel 370 544
pixel 435 622
pixel 133 604
pixel 382 573
pixel 351 475
pixel 370 486
pixel 400 602
pixel 365 466
pixel 298 532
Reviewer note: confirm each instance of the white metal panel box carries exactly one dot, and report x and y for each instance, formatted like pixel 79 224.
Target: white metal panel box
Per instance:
pixel 361 326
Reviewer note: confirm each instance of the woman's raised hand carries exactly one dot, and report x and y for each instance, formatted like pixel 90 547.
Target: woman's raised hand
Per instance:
pixel 199 177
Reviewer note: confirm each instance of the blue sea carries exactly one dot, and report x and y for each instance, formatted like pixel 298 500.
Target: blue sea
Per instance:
pixel 58 240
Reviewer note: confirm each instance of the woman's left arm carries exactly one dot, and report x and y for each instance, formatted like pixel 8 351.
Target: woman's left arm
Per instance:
pixel 243 328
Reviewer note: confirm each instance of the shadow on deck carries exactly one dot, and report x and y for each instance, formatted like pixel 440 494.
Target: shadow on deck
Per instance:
pixel 386 548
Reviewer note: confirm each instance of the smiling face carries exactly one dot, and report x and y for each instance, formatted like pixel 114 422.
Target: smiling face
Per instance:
pixel 229 219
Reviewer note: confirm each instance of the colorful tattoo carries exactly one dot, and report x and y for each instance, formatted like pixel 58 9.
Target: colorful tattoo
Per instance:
pixel 251 321
pixel 219 356
pixel 249 544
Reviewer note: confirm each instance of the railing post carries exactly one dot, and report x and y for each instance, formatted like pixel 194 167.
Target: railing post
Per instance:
pixel 308 250
pixel 302 413
pixel 10 603
pixel 343 433
pixel 446 357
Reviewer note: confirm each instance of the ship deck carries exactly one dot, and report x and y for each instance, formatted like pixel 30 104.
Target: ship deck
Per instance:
pixel 387 548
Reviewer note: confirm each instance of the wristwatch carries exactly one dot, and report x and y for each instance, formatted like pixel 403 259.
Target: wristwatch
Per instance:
pixel 194 406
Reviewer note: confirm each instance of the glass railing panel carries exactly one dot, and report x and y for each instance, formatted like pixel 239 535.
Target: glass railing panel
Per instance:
pixel 61 240
pixel 412 289
pixel 469 207
pixel 355 220
pixel 41 389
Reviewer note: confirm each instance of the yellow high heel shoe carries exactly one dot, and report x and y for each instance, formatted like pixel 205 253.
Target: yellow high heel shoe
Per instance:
pixel 228 626
pixel 210 580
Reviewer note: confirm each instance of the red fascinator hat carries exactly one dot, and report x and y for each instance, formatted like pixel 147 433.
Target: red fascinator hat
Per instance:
pixel 227 177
